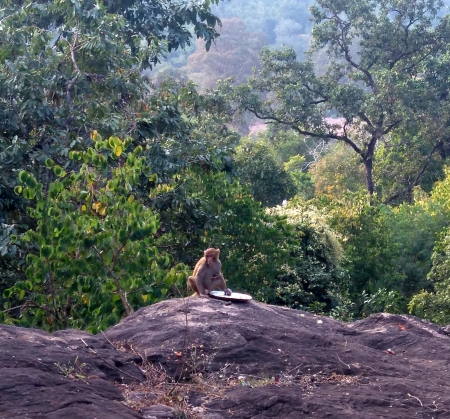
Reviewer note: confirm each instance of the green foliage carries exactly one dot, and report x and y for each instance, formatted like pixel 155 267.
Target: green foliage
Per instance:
pixel 257 167
pixel 337 172
pixel 302 181
pixel 93 256
pixel 405 162
pixel 383 301
pixel 385 66
pixel 287 143
pixel 435 305
pixel 295 153
pixel 314 278
pixel 369 251
pixel 69 67
pixel 415 228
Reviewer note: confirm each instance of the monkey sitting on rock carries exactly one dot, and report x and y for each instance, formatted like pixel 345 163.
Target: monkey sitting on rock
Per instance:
pixel 207 274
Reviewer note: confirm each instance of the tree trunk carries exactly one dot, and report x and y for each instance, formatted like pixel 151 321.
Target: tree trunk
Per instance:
pixel 369 174
pixel 368 160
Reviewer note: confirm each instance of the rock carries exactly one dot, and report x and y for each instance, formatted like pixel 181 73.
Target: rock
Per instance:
pixel 229 361
pixel 297 364
pixel 159 412
pixel 56 376
pixel 141 395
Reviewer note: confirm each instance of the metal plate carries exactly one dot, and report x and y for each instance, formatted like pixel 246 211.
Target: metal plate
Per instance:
pixel 235 296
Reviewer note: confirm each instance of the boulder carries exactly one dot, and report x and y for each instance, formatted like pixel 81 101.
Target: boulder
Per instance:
pixel 67 374
pixel 225 360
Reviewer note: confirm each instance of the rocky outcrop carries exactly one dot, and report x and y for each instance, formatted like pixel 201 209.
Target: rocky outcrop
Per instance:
pixel 229 360
pixel 68 374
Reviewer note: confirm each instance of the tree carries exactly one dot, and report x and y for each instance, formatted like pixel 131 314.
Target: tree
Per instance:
pixel 434 305
pixel 257 167
pixel 93 257
pixel 415 229
pixel 369 251
pixel 385 68
pixel 315 280
pixel 337 172
pixel 433 302
pixel 70 67
pixel 407 161
pixel 302 180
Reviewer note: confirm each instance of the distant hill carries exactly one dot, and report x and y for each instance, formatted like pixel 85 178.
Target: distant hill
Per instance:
pixel 284 23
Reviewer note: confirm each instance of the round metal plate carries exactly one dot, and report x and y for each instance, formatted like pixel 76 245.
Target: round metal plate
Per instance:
pixel 235 296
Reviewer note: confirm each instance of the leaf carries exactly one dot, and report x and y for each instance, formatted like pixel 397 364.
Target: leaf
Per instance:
pixel 118 150
pixel 49 163
pixel 95 136
pixel 7 293
pixel 114 141
pixel 46 251
pixel 58 171
pixel 23 176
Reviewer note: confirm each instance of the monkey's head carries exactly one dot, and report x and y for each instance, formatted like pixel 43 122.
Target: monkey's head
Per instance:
pixel 211 255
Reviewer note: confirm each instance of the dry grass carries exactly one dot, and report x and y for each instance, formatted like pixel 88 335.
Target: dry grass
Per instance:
pixel 160 389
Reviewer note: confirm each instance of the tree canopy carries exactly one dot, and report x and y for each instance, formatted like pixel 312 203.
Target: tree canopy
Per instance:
pixel 386 72
pixel 69 68
pixel 111 187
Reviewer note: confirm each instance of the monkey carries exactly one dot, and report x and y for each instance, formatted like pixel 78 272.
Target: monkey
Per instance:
pixel 207 274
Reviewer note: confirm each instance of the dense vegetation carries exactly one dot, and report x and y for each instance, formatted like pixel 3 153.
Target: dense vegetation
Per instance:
pixel 115 178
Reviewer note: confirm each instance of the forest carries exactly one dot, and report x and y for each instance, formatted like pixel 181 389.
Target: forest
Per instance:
pixel 307 140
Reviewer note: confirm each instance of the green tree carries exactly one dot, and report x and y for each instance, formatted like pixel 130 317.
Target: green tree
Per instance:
pixel 314 280
pixel 337 172
pixel 386 66
pixel 433 302
pixel 69 67
pixel 302 180
pixel 415 229
pixel 257 167
pixel 369 251
pixel 288 143
pixel 406 162
pixel 92 258
pixel 435 305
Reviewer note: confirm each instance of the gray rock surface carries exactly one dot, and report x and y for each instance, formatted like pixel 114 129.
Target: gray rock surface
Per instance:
pixel 239 360
pixel 294 364
pixel 56 376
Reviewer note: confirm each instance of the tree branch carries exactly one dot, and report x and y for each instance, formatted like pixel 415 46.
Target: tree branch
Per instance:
pixel 295 127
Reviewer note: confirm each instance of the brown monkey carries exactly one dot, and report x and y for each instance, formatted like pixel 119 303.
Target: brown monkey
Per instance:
pixel 207 274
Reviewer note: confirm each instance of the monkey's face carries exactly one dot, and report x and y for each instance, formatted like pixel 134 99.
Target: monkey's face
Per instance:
pixel 211 256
